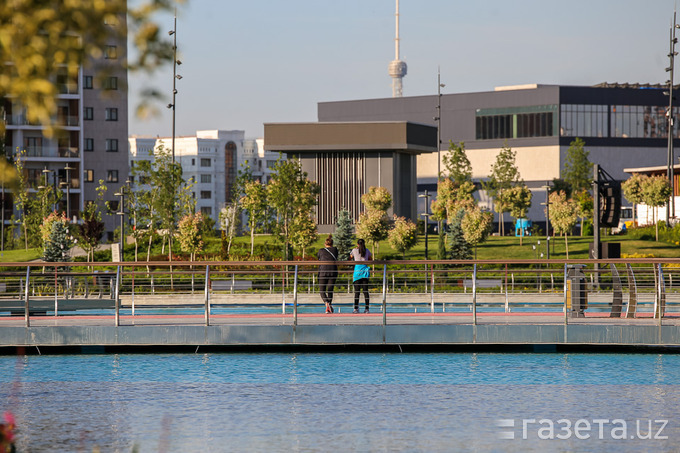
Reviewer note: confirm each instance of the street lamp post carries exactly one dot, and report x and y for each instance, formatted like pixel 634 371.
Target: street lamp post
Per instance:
pixel 175 78
pixel 121 213
pixel 67 184
pixel 426 214
pixel 438 119
pixel 547 216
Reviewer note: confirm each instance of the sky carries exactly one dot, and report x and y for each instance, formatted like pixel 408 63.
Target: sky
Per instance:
pixel 250 62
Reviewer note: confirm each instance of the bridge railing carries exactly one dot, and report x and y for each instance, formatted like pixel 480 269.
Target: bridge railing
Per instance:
pixel 616 288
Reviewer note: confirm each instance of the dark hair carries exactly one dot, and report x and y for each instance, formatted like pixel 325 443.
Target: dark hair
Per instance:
pixel 362 247
pixel 329 240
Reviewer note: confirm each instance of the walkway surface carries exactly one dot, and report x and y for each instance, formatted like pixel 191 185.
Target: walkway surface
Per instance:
pixel 339 330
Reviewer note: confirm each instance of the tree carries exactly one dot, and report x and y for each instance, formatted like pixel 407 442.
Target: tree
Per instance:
pixel 229 222
pixel 57 240
pixel 456 164
pixel 584 202
pixel 476 225
pixel 91 229
pixel 578 170
pixel 563 215
pixel 254 202
pixel 518 199
pixel 504 175
pixel 189 234
pixel 303 232
pixel 290 194
pixel 459 248
pixel 632 190
pixel 343 238
pixel 655 192
pixel 373 224
pixel 45 42
pixel 403 235
pixel 167 196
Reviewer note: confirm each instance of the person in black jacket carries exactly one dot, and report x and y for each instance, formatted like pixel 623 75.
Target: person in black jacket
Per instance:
pixel 328 272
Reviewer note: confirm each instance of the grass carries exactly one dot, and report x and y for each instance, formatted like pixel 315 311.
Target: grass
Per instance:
pixel 507 247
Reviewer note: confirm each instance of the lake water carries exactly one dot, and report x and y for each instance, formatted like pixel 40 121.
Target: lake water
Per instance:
pixel 344 402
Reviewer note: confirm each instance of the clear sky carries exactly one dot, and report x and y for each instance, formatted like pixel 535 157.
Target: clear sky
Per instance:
pixel 250 62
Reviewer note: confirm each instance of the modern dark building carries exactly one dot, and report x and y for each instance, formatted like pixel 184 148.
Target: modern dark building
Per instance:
pixel 346 159
pixel 622 125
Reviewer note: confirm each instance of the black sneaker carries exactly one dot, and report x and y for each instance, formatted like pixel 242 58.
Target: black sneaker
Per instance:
pixel 356 310
pixel 366 311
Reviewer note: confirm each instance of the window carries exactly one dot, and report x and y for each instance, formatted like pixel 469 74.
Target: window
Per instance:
pixel 111 145
pixel 89 144
pixel 110 83
pixel 89 175
pixel 206 179
pixel 271 164
pixel 193 162
pixel 205 162
pixel 87 82
pixel 206 195
pixel 111 175
pixel 88 113
pixel 112 114
pixel 518 122
pixel 114 205
pixel 111 53
pixel 206 210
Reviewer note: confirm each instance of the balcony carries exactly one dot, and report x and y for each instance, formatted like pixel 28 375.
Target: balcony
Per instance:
pixel 61 120
pixel 44 151
pixel 68 120
pixel 68 88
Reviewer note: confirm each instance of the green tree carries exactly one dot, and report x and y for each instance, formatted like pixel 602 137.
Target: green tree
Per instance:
pixel 303 232
pixel 504 175
pixel 456 164
pixel 584 202
pixel 578 170
pixel 518 199
pixel 476 225
pixel 655 193
pixel 563 215
pixel 44 43
pixel 343 238
pixel 189 234
pixel 254 202
pixel 403 235
pixel 57 239
pixel 373 224
pixel 632 190
pixel 459 248
pixel 91 229
pixel 290 194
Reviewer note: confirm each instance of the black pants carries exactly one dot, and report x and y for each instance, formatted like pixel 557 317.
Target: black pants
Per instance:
pixel 360 286
pixel 327 285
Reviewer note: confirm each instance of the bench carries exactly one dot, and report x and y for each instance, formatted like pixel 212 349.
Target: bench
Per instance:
pixel 483 283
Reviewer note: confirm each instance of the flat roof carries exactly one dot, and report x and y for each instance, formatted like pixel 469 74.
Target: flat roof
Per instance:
pixel 405 136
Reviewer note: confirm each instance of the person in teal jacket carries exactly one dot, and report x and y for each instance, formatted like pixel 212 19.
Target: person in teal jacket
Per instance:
pixel 361 273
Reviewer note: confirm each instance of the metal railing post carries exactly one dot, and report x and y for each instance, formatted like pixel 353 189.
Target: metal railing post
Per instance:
pixel 431 288
pixel 295 306
pixel 384 295
pixel 117 296
pixel 56 294
pixel 566 311
pixel 26 292
pixel 207 295
pixel 474 295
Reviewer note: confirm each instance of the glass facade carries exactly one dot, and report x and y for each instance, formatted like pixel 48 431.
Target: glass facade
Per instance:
pixel 521 122
pixel 620 121
pixel 575 120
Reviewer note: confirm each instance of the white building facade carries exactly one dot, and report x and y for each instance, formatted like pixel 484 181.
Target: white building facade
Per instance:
pixel 212 160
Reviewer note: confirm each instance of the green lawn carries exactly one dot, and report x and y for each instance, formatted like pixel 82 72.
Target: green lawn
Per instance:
pixel 507 247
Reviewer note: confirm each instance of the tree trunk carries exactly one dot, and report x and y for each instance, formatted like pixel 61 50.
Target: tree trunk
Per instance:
pixel 252 240
pixel 566 245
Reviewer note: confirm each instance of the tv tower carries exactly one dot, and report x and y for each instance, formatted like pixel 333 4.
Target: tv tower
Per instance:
pixel 397 68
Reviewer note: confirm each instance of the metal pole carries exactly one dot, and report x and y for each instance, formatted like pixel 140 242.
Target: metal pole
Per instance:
pixel 174 82
pixel 474 295
pixel 26 292
pixel 295 306
pixel 566 312
pixel 669 114
pixel 207 295
pixel 117 296
pixel 384 295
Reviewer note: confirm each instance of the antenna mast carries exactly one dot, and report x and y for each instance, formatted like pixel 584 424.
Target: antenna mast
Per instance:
pixel 397 68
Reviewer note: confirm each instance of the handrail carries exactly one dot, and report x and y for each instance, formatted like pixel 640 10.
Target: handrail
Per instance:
pixel 245 284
